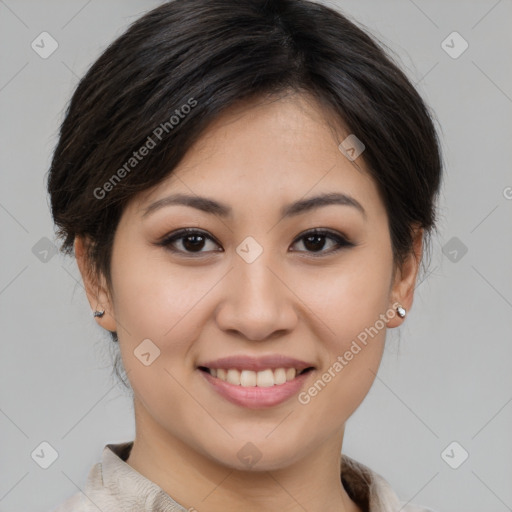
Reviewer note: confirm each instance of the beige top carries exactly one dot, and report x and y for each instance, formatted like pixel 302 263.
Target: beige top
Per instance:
pixel 114 486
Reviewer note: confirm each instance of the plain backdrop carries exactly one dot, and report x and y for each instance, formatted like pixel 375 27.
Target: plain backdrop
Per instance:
pixel 446 376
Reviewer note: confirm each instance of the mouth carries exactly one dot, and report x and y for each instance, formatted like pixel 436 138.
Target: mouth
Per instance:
pixel 256 389
pixel 266 378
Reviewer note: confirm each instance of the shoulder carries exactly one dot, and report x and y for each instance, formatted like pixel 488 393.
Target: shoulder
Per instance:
pixel 73 504
pixel 373 490
pixel 386 498
pixel 411 507
pixel 86 501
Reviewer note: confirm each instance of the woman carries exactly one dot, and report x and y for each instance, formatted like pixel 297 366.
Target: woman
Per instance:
pixel 248 188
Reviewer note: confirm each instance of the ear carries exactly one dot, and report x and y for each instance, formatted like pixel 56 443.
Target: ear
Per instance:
pixel 95 286
pixel 404 283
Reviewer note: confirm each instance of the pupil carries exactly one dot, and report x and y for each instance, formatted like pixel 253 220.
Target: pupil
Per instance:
pixel 316 239
pixel 190 244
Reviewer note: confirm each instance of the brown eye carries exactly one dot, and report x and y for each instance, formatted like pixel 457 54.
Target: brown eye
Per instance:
pixel 315 241
pixel 188 241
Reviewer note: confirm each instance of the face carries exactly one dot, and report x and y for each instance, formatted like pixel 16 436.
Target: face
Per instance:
pixel 266 273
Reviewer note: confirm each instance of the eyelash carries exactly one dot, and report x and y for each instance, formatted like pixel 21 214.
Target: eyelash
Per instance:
pixel 341 241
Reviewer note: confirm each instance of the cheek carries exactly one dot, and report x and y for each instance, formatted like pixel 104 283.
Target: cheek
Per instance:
pixel 158 301
pixel 348 297
pixel 350 305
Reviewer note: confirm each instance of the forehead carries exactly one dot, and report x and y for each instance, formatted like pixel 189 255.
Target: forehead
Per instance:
pixel 265 153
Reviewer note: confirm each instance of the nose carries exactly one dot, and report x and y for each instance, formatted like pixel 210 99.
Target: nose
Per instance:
pixel 258 303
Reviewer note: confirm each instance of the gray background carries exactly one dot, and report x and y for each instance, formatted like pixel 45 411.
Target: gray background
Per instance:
pixel 448 378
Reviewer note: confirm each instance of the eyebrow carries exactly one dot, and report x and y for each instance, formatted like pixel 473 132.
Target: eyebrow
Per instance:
pixel 213 207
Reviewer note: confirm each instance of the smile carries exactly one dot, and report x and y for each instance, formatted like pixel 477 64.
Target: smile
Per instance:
pixel 256 390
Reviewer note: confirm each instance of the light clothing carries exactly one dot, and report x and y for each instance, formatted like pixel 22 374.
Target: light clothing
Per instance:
pixel 114 486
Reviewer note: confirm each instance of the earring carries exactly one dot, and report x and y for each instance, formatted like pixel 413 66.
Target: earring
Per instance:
pixel 98 313
pixel 401 311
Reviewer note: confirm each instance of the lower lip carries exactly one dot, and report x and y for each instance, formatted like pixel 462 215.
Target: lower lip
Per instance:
pixel 256 397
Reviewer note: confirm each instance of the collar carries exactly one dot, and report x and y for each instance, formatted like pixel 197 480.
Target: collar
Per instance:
pixel 113 485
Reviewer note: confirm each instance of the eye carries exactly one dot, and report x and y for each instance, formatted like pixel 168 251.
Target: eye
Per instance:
pixel 315 241
pixel 190 241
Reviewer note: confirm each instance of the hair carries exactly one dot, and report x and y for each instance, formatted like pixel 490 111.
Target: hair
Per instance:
pixel 178 67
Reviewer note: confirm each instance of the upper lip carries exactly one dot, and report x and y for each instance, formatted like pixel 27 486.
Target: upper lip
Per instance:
pixel 244 362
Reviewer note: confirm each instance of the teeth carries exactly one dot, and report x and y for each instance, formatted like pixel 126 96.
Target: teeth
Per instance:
pixel 280 375
pixel 290 373
pixel 249 378
pixel 264 379
pixel 233 377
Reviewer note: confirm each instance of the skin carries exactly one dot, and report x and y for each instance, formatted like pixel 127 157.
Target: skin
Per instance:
pixel 293 299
